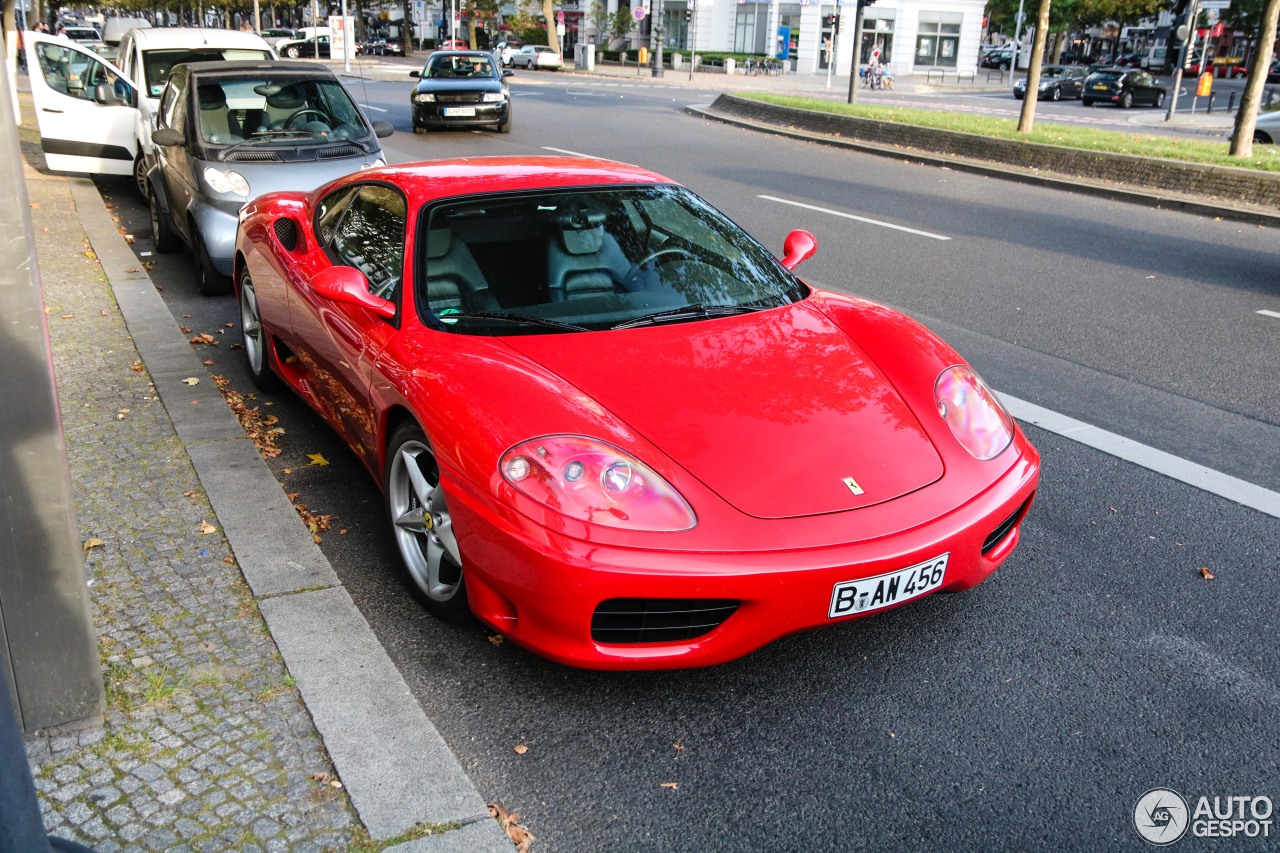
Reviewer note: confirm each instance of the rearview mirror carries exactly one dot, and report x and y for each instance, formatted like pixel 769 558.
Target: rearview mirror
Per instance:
pixel 798 248
pixel 349 286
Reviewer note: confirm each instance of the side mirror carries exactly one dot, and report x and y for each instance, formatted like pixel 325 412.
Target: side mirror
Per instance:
pixel 168 137
pixel 383 129
pixel 798 248
pixel 415 73
pixel 104 94
pixel 508 72
pixel 349 286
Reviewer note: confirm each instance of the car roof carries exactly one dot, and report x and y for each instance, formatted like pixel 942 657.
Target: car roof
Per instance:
pixel 241 68
pixel 164 37
pixel 462 176
pixel 480 53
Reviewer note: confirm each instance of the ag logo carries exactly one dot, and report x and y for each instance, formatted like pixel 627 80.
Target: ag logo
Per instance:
pixel 1161 816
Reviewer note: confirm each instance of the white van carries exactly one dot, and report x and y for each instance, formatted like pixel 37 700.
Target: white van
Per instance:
pixel 113 29
pixel 146 55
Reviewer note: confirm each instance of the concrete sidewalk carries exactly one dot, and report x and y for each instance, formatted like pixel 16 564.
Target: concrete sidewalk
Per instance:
pixel 249 705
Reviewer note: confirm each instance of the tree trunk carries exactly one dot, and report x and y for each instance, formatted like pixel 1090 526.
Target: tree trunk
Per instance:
pixel 1242 140
pixel 549 12
pixel 1027 120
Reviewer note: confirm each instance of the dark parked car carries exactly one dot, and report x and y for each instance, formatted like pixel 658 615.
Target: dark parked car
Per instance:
pixel 1273 75
pixel 1129 60
pixel 463 88
pixel 316 47
pixel 1056 82
pixel 1000 58
pixel 1124 87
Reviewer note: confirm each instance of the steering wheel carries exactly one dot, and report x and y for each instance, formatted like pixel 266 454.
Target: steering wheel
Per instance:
pixel 673 252
pixel 288 123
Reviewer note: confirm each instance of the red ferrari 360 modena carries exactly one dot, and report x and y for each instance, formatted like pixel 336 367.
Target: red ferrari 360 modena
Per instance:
pixel 614 426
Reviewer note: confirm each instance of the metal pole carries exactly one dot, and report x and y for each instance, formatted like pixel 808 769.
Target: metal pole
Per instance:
pixel 856 65
pixel 835 37
pixel 1017 49
pixel 1182 58
pixel 347 35
pixel 693 37
pixel 658 12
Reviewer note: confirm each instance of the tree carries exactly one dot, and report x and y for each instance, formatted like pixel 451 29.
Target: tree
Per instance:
pixel 1242 140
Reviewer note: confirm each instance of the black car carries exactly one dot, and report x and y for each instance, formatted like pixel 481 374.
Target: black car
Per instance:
pixel 463 88
pixel 1001 58
pixel 1124 87
pixel 316 47
pixel 1056 82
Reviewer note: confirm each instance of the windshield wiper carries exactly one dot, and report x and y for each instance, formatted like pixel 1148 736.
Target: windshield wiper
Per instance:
pixel 264 136
pixel 689 312
pixel 510 318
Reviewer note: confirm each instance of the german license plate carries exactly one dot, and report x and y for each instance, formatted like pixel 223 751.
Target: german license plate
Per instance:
pixel 863 596
pixel 459 111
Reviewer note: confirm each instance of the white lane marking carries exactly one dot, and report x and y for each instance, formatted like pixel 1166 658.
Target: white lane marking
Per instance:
pixel 375 109
pixel 857 218
pixel 1182 470
pixel 570 153
pixel 1266 313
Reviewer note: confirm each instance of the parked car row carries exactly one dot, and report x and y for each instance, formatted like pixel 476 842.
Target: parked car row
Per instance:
pixel 1124 87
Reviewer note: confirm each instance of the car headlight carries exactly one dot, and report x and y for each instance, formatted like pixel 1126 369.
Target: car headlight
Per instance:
pixel 424 98
pixel 589 480
pixel 972 412
pixel 494 97
pixel 226 182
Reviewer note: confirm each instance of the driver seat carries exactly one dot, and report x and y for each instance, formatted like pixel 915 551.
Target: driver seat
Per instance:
pixel 583 259
pixel 217 123
pixel 454 279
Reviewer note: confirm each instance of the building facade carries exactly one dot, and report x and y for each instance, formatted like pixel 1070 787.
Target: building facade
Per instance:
pixel 913 36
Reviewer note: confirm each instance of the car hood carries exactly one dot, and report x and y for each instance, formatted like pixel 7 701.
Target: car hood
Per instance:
pixel 302 176
pixel 465 84
pixel 772 411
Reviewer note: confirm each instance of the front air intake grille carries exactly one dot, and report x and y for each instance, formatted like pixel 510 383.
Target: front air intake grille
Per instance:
pixel 461 98
pixel 287 233
pixel 334 153
pixel 658 620
pixel 252 157
pixel 1002 530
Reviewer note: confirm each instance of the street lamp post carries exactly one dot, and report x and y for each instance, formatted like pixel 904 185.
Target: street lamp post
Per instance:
pixel 657 37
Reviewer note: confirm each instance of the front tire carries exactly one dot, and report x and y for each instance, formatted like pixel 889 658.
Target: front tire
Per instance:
pixel 212 282
pixel 162 233
pixel 1057 93
pixel 422 526
pixel 257 340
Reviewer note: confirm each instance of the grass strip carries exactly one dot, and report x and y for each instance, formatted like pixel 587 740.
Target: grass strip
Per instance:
pixel 1266 158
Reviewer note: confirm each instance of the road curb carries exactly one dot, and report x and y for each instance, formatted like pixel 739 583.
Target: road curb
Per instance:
pixel 1130 195
pixel 396 768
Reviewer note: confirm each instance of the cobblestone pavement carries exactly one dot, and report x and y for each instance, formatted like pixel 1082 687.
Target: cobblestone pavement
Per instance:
pixel 207 744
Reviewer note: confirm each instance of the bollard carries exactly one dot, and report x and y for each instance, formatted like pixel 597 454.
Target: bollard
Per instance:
pixel 1231 103
pixel 1209 109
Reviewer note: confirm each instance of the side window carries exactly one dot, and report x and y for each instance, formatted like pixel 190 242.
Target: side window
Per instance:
pixel 371 238
pixel 71 72
pixel 173 105
pixel 329 214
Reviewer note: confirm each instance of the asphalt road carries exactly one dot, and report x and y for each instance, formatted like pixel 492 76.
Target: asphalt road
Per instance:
pixel 1029 713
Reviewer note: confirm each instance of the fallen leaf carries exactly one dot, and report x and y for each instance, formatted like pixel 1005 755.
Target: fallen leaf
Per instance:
pixel 317 459
pixel 186 330
pixel 1206 574
pixel 679 745
pixel 674 786
pixel 204 338
pixel 229 325
pixel 342 532
pixel 496 639
pixel 230 561
pixel 132 269
pixel 206 528
pixel 68 316
pixel 286 471
pixel 208 362
pixel 189 494
pixel 90 544
pixel 510 822
pixel 521 749
pixel 191 380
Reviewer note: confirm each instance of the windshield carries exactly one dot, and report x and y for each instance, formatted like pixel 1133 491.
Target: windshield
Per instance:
pixel 459 65
pixel 590 259
pixel 82 34
pixel 264 111
pixel 156 64
pixel 1105 76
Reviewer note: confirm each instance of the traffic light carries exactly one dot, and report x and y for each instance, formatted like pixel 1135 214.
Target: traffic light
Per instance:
pixel 828 22
pixel 688 14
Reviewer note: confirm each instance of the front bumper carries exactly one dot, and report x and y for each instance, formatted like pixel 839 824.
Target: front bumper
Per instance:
pixel 541 589
pixel 432 114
